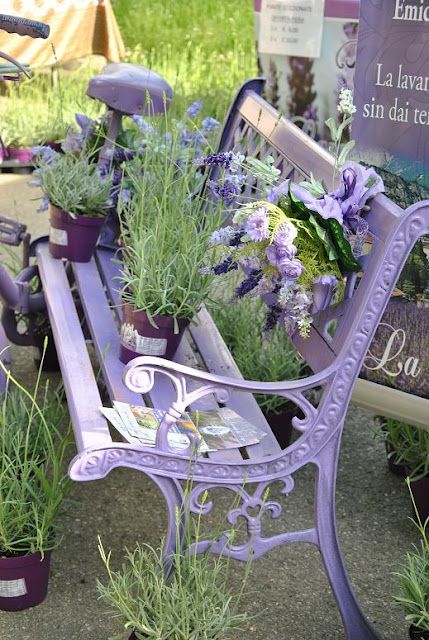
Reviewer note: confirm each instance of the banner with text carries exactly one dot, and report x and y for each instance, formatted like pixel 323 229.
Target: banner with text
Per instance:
pixel 304 74
pixel 391 129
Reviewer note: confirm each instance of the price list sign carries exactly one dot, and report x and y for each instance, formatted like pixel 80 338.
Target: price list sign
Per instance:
pixel 291 27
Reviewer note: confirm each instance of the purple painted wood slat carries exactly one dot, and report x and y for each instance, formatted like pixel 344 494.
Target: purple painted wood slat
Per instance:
pixel 109 272
pixel 104 331
pixel 218 359
pixel 185 355
pixel 83 397
pixel 301 151
pixel 315 350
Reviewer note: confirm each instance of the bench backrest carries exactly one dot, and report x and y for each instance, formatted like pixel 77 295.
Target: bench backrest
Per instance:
pixel 255 127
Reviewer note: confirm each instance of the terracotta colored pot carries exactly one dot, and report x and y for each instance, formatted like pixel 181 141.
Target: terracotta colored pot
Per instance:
pixel 417 634
pixel 23 581
pixel 73 238
pixel 140 338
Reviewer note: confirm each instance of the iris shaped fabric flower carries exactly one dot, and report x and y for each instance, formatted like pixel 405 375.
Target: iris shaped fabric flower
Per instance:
pixel 326 207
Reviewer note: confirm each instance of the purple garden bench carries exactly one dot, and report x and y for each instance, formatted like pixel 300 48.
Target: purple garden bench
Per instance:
pixel 173 386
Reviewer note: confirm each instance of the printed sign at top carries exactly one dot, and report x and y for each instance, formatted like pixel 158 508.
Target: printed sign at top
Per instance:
pixel 291 27
pixel 392 86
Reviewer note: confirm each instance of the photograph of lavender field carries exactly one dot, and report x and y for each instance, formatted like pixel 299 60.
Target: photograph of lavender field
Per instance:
pixel 399 354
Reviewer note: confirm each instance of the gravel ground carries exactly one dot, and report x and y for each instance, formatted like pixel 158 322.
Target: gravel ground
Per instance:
pixel 288 593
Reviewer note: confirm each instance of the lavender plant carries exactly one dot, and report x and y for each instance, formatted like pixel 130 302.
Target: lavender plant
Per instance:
pixel 138 137
pixel 268 357
pixel 414 581
pixel 165 226
pixel 73 183
pixel 193 600
pixel 33 483
pixel 409 446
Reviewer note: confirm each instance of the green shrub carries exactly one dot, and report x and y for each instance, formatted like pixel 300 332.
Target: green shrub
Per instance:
pixel 269 357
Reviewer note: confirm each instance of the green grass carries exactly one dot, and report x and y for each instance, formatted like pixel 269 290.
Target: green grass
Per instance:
pixel 205 50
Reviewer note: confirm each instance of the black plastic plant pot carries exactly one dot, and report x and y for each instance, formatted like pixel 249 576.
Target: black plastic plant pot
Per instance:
pixel 396 468
pixel 420 489
pixel 418 634
pixel 23 581
pixel 281 423
pixel 50 361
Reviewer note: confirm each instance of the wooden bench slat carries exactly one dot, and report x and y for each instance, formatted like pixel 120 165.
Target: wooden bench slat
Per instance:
pixel 109 272
pixel 81 388
pixel 104 331
pixel 218 360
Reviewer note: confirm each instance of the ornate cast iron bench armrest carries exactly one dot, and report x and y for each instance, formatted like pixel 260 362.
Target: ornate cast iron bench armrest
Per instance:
pixel 139 376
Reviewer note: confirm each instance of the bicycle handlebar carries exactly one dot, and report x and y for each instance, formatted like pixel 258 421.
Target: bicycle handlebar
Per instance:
pixel 24 27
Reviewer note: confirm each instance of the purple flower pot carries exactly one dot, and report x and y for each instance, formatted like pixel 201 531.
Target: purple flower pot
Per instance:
pixel 140 338
pixel 418 634
pixel 23 581
pixel 73 238
pixel 23 155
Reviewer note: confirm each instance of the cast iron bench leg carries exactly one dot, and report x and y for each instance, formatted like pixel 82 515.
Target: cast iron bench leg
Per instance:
pixel 355 623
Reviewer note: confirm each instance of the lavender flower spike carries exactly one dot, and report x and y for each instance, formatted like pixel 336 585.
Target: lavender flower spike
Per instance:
pixel 248 284
pixel 210 124
pixel 193 110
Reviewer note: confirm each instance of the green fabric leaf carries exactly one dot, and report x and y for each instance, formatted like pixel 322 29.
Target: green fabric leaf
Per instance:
pixel 332 125
pixel 315 187
pixel 345 152
pixel 325 237
pixel 346 259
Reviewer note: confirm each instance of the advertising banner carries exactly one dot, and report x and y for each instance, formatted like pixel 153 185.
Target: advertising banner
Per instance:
pixel 391 129
pixel 391 89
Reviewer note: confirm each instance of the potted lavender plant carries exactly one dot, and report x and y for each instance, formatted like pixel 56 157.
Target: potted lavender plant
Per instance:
pixel 408 455
pixel 165 231
pixel 33 485
pixel 79 198
pixel 414 582
pixel 188 595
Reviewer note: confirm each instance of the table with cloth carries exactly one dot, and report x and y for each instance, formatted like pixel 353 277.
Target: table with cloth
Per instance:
pixel 78 28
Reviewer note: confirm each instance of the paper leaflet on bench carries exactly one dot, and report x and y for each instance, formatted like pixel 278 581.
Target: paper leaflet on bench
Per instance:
pixel 218 428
